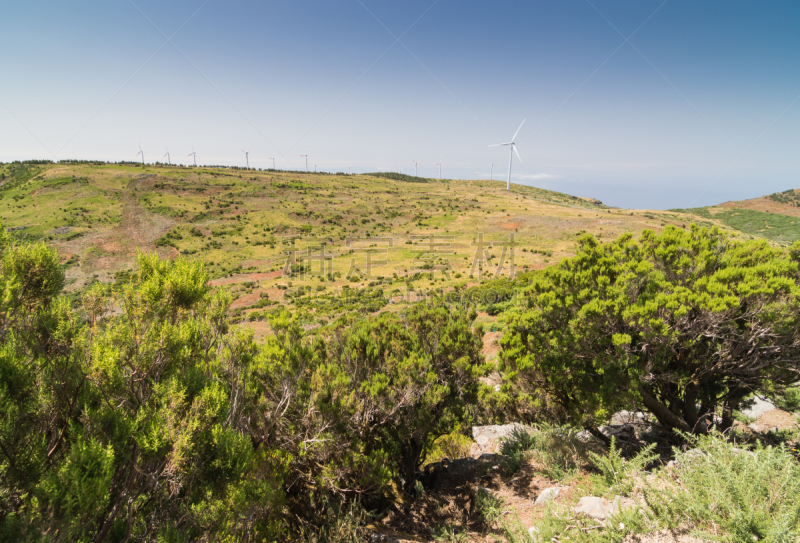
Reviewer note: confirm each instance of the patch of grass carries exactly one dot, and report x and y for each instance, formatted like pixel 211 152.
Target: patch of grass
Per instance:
pixel 556 451
pixel 488 507
pixel 449 533
pixel 339 524
pixel 750 494
pixel 618 474
pixel 774 226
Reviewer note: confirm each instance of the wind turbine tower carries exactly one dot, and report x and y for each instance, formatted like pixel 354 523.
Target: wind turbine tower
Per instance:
pixel 415 167
pixel 247 157
pixel 306 157
pixel 169 159
pixel 440 168
pixel 512 150
pixel 141 153
pixel 194 155
pixel 491 171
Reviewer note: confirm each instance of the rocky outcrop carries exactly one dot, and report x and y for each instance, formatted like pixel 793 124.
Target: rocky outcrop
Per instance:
pixel 488 438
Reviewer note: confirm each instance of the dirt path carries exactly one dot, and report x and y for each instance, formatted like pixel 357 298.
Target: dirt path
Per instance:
pixel 104 251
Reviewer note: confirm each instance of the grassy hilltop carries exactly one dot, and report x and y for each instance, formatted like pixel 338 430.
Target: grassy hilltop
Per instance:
pixel 240 224
pixel 240 221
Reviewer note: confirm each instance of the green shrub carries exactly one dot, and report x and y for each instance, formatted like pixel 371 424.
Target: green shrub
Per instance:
pixel 449 534
pixel 488 508
pixel 618 473
pixel 634 322
pixel 557 451
pixel 789 400
pixel 749 494
pixel 453 445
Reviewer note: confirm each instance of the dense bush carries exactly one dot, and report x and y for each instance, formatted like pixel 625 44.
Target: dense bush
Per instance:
pixel 143 416
pixel 669 323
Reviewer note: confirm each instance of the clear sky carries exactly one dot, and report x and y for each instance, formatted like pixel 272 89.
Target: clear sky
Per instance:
pixel 642 103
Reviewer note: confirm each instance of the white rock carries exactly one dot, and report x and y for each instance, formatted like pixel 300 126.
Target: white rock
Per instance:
pixel 487 438
pixel 547 495
pixel 592 507
pixel 599 508
pixel 758 408
pixel 636 418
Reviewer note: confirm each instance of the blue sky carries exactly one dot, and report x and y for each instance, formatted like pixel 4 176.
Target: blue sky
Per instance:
pixel 700 105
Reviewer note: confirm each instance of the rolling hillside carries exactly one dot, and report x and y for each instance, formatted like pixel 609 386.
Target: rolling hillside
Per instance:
pixel 278 237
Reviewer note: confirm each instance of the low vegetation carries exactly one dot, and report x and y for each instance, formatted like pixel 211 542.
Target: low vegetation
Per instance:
pixel 208 389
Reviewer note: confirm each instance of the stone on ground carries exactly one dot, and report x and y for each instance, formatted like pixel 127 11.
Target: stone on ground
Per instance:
pixel 758 408
pixel 600 508
pixel 547 495
pixel 487 438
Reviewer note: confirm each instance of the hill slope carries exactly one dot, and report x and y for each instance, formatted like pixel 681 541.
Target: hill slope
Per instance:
pixel 279 237
pixel 775 217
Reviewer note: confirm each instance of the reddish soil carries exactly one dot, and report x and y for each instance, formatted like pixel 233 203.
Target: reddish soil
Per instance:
pixel 246 300
pixel 491 344
pixel 763 204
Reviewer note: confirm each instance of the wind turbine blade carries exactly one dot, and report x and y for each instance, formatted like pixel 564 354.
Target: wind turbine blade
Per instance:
pixel 500 144
pixel 518 129
pixel 517 152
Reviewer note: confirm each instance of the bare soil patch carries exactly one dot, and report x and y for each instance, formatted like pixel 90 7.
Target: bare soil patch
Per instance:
pixel 775 418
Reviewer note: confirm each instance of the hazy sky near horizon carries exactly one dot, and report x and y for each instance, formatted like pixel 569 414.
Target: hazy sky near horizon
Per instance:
pixel 649 104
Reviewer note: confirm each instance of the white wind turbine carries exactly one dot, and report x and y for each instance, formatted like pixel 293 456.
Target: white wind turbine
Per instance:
pixel 141 153
pixel 169 159
pixel 511 153
pixel 193 154
pixel 306 157
pixel 440 168
pixel 491 171
pixel 415 167
pixel 247 157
